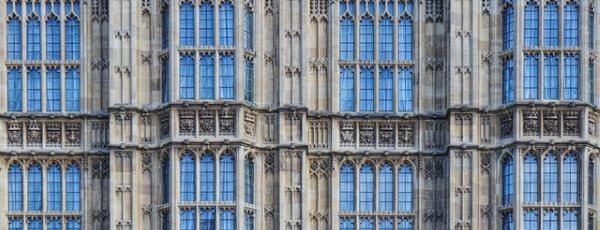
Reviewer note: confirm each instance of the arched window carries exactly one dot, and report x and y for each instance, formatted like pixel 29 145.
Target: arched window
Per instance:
pixel 405 31
pixel 550 76
pixel 386 224
pixel 531 24
pixel 249 180
pixel 226 80
pixel 386 90
pixel 367 188
pixel 72 90
pixel 248 28
pixel 226 24
pixel 73 224
pixel 187 76
pixel 530 178
pixel 366 224
pixel 367 89
pixel 207 218
pixel 34 90
pixel 508 180
pixel 14 90
pixel 54 223
pixel 550 220
pixel 15 224
pixel 347 188
pixel 249 81
pixel 530 76
pixel 207 29
pixel 571 77
pixel 508 81
pixel 386 34
pixel 186 24
pixel 367 31
pixel 571 24
pixel 551 177
pixel 346 35
pixel 15 187
pixel 249 221
pixel 405 188
pixel 227 219
pixel 386 188
pixel 569 221
pixel 52 37
pixel 166 179
pixel 346 224
pixel 507 221
pixel 34 47
pixel 207 177
pixel 551 24
pixel 530 220
pixel 508 27
pixel 164 18
pixel 207 76
pixel 54 182
pixel 591 26
pixel 34 224
pixel 187 177
pixel 187 219
pixel 347 89
pixel 52 89
pixel 591 181
pixel 405 224
pixel 72 32
pixel 73 187
pixel 405 89
pixel 13 35
pixel 34 187
pixel 227 176
pixel 570 178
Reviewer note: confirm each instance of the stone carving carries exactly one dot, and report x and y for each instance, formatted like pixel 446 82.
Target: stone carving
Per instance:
pixel 486 129
pixel 485 211
pixel 226 122
pixel 486 162
pixel 319 168
pixel 592 125
pixel 506 125
pixel 485 7
pixel 165 125
pixel 187 123
pixel 146 7
pixel 146 162
pixel 571 123
pixel 318 10
pixel 433 169
pixel 100 215
pixel 269 162
pixel 73 134
pixel 347 134
pixel 318 134
pixel 387 135
pixel 15 134
pixel 367 134
pixel 249 123
pixel 269 7
pixel 434 11
pixel 34 133
pixel 146 56
pixel 406 134
pixel 99 10
pixel 434 216
pixel 53 134
pixel 435 137
pixel 100 168
pixel 206 124
pixel 551 123
pixel 531 123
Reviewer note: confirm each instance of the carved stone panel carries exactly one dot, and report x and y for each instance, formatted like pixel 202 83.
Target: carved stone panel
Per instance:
pixel 165 125
pixel 347 134
pixel 571 123
pixel 531 123
pixel 187 123
pixel 406 134
pixel 387 135
pixel 506 125
pixel 367 134
pixel 206 124
pixel 551 126
pixel 15 134
pixel 34 134
pixel 249 123
pixel 53 134
pixel 227 122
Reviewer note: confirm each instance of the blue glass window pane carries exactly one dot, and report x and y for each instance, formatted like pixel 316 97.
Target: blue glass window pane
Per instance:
pixel 550 220
pixel 530 76
pixel 207 177
pixel 551 178
pixel 530 178
pixel 52 38
pixel 249 221
pixel 53 90
pixel 226 80
pixel 54 224
pixel 14 90
pixel 187 175
pixel 34 90
pixel 34 187
pixel 367 189
pixel 551 24
pixel 571 25
pixel 54 189
pixel 346 35
pixel 367 89
pixel 187 77
pixel 508 28
pixel 591 28
pixel 166 180
pixel 591 182
pixel 13 38
pixel 366 224
pixel 386 224
pixel 367 37
pixel 73 224
pixel 72 90
pixel 226 24
pixel 571 77
pixel 207 219
pixel 507 221
pixel 34 47
pixel 405 224
pixel 166 221
pixel 187 219
pixel 508 180
pixel 386 90
pixel 249 81
pixel 164 78
pixel 15 224
pixel 186 24
pixel 570 179
pixel 34 224
pixel 248 28
pixel 249 181
pixel 405 89
pixel 550 76
pixel 165 27
pixel 531 25
pixel 73 188
pixel 570 220
pixel 15 187
pixel 346 224
pixel 508 81
pixel 405 188
pixel 347 188
pixel 405 33
pixel 386 188
pixel 72 38
pixel 207 77
pixel 227 219
pixel 347 89
pixel 386 39
pixel 530 220
pixel 207 24
pixel 227 176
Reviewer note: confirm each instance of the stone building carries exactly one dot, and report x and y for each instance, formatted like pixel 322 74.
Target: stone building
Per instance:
pixel 299 114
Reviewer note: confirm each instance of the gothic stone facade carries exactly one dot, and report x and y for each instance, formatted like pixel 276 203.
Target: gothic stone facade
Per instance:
pixel 288 134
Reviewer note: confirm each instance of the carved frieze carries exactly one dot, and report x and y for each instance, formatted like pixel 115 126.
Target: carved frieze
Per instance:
pixel 226 122
pixel 347 134
pixel 531 123
pixel 506 125
pixel 187 123
pixel 73 134
pixel 15 133
pixel 550 123
pixel 406 134
pixel 387 135
pixel 249 123
pixel 34 133
pixel 206 123
pixel 53 134
pixel 571 123
pixel 367 134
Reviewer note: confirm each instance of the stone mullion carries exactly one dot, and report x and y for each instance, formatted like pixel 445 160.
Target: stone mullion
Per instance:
pixel 259 219
pixel 583 185
pixel 173 208
pixel 334 201
pixel 333 53
pixel 239 187
pixel 239 65
pixel 518 50
pixel 517 210
pixel 86 103
pixel 173 52
pixel 584 54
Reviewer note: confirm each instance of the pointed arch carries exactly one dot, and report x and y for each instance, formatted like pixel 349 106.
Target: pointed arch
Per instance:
pixel 34 187
pixel 207 176
pixel 227 176
pixel 530 177
pixel 570 178
pixel 508 179
pixel 15 187
pixel 54 189
pixel 73 198
pixel 187 177
pixel 550 176
pixel 405 187
pixel 347 187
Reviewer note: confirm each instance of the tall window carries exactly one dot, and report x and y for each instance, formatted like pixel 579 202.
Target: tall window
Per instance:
pixel 530 76
pixel 15 187
pixel 531 24
pixel 508 180
pixel 367 188
pixel 367 31
pixel 367 91
pixel 405 31
pixel 405 89
pixel 227 176
pixel 347 30
pixel 165 26
pixel 226 24
pixel 227 219
pixel 14 90
pixel 366 224
pixel 226 80
pixel 569 221
pixel 386 90
pixel 207 30
pixel 405 224
pixel 571 77
pixel 571 25
pixel 207 177
pixel 405 188
pixel 248 28
pixel 72 32
pixel 54 224
pixel 187 177
pixel 53 90
pixel 530 178
pixel 249 180
pixel 386 36
pixel 164 78
pixel 52 36
pixel 207 77
pixel 15 224
pixel 551 24
pixel 34 187
pixel 186 24
pixel 34 90
pixel 550 76
pixel 386 188
pixel 187 219
pixel 591 182
pixel 508 81
pixel 207 218
pixel 34 224
pixel 347 188
pixel 186 77
pixel 73 224
pixel 550 220
pixel 249 81
pixel 72 91
pixel 551 178
pixel 530 220
pixel 347 89
pixel 508 27
pixel 507 221
pixel 591 26
pixel 54 189
pixel 346 224
pixel 34 40
pixel 570 179
pixel 386 224
pixel 249 221
pixel 13 31
pixel 166 180
pixel 73 185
